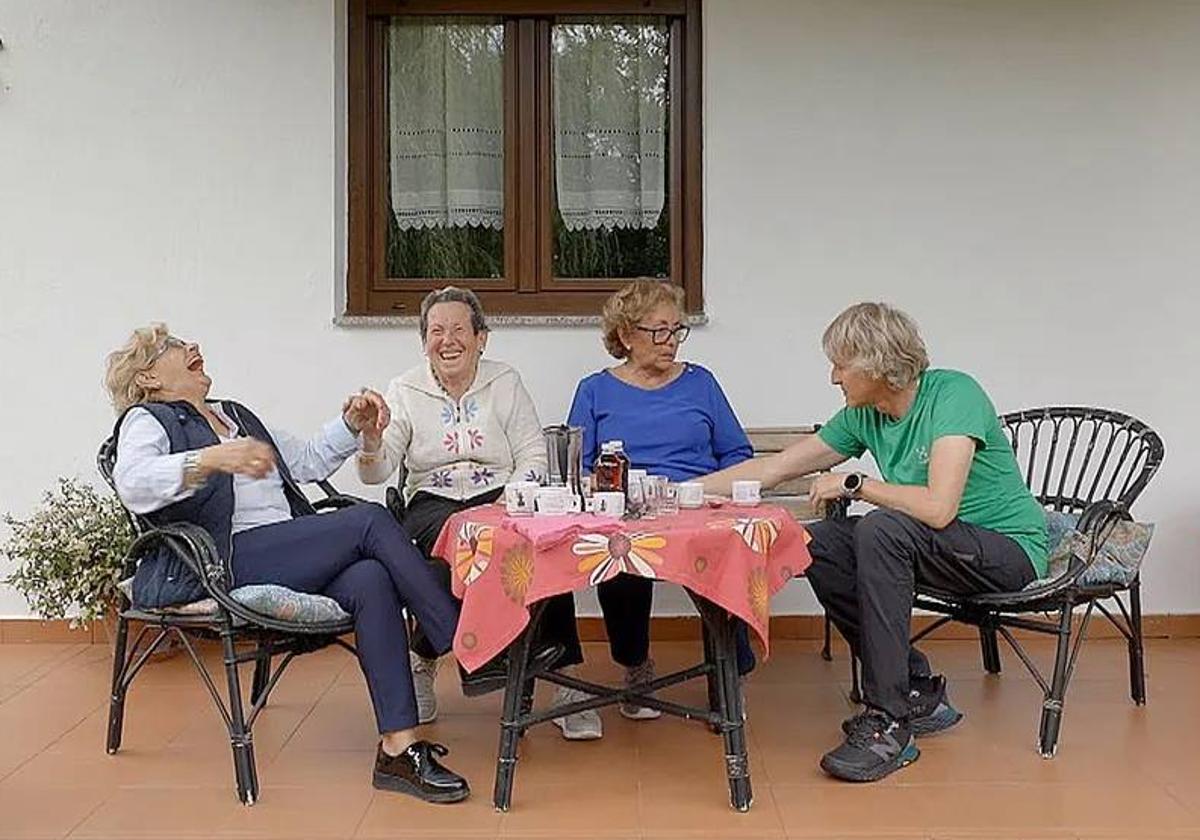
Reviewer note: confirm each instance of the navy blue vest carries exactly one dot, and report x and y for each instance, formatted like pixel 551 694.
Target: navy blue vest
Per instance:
pixel 164 579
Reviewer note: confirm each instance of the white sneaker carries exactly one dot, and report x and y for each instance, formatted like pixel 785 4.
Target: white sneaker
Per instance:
pixel 580 726
pixel 424 672
pixel 639 674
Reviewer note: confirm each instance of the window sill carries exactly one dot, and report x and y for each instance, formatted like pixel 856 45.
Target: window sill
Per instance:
pixel 353 321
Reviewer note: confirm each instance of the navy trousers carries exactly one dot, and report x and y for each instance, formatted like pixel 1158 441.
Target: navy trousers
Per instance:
pixel 361 558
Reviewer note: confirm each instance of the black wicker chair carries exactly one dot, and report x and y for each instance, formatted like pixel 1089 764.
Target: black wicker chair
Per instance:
pixel 1088 461
pixel 245 635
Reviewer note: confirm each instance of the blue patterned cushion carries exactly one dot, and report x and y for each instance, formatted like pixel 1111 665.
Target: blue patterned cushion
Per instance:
pixel 287 605
pixel 1120 556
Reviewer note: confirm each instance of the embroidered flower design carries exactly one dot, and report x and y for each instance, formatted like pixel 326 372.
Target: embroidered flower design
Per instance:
pixel 482 475
pixel 450 442
pixel 474 438
pixel 473 552
pixel 470 409
pixel 607 555
pixel 516 572
pixel 759 594
pixel 440 478
pixel 447 414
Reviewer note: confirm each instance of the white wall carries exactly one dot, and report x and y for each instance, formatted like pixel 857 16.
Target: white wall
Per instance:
pixel 1024 177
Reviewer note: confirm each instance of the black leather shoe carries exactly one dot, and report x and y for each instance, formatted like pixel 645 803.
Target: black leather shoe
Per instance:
pixel 493 676
pixel 417 772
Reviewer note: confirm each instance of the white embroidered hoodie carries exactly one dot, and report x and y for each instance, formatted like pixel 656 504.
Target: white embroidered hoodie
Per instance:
pixel 459 449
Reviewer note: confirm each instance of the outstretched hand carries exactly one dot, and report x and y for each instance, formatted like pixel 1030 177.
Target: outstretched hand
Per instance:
pixel 367 413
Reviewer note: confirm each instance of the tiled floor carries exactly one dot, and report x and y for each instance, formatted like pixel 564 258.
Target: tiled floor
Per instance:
pixel 1121 771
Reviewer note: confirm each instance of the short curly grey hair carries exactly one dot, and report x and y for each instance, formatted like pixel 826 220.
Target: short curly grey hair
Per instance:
pixel 880 340
pixel 626 307
pixel 453 294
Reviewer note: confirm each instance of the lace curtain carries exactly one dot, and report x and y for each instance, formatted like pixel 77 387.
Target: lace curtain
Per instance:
pixel 446 126
pixel 610 119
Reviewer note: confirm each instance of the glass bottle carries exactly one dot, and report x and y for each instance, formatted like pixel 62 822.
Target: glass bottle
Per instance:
pixel 612 468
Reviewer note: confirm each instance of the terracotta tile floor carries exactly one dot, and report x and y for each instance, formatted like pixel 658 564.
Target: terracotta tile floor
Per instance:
pixel 1121 772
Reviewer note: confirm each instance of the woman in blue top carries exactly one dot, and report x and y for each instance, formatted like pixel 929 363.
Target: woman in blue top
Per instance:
pixel 675 421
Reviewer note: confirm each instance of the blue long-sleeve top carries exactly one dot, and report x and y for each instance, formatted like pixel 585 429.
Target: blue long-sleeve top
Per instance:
pixel 682 430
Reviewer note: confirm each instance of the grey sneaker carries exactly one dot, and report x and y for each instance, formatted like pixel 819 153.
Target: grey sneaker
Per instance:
pixel 424 672
pixel 639 674
pixel 580 726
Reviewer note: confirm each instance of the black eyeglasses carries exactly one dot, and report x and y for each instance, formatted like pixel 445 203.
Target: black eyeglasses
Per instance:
pixel 661 335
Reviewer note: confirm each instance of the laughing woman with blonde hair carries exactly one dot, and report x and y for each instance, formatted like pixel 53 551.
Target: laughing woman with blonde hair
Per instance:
pixel 952 512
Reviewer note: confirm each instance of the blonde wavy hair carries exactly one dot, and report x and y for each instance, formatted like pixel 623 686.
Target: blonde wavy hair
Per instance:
pixel 124 364
pixel 626 307
pixel 880 340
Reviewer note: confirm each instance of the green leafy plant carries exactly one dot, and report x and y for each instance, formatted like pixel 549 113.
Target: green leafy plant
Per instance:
pixel 69 552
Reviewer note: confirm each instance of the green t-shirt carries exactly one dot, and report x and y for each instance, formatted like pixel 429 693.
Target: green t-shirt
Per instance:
pixel 949 403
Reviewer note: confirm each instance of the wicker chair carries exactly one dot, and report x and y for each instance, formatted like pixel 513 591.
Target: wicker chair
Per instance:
pixel 261 638
pixel 1087 461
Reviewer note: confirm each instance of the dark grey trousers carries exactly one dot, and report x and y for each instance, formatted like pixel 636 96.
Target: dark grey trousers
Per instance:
pixel 864 573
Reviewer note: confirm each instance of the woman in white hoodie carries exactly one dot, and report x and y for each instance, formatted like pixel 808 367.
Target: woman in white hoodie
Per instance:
pixel 461 427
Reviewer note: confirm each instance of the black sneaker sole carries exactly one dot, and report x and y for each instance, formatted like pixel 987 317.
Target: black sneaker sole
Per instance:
pixel 384 781
pixel 851 773
pixel 941 719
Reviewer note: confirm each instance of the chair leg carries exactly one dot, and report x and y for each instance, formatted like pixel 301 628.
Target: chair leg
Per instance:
pixel 826 651
pixel 116 703
pixel 855 678
pixel 713 677
pixel 262 675
pixel 1137 656
pixel 990 648
pixel 240 738
pixel 1052 704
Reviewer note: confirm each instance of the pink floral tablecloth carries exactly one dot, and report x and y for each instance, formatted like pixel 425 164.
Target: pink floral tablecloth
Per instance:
pixel 735 557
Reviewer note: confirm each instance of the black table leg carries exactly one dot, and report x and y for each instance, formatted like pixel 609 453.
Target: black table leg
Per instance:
pixel 513 715
pixel 729 699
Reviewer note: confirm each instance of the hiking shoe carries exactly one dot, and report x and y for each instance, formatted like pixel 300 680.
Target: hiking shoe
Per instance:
pixel 579 726
pixel 875 746
pixel 929 710
pixel 424 672
pixel 639 674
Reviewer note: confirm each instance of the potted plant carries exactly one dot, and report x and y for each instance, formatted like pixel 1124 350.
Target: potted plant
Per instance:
pixel 69 553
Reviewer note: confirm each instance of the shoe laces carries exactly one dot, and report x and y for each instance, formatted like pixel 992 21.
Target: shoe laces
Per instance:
pixel 866 727
pixel 421 665
pixel 640 673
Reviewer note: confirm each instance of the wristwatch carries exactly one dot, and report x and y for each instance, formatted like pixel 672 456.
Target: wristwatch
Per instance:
pixel 191 469
pixel 852 485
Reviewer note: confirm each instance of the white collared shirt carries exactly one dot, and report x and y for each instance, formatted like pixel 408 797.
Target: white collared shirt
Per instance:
pixel 148 476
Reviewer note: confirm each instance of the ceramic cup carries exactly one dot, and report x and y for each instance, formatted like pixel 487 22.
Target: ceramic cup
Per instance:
pixel 519 496
pixel 691 494
pixel 608 504
pixel 747 493
pixel 551 501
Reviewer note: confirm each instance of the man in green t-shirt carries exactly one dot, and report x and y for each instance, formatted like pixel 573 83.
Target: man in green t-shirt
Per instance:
pixel 952 512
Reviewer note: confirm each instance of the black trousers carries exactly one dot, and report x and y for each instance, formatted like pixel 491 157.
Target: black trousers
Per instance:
pixel 865 570
pixel 423 519
pixel 362 559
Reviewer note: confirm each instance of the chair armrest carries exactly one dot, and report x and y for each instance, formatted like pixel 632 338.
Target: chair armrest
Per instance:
pixel 191 544
pixel 334 499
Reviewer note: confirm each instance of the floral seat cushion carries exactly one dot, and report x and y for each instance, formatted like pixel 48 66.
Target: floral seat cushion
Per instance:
pixel 1119 559
pixel 272 600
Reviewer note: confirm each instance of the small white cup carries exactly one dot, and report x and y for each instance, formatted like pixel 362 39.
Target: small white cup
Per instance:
pixel 551 501
pixel 608 504
pixel 519 497
pixel 747 493
pixel 691 494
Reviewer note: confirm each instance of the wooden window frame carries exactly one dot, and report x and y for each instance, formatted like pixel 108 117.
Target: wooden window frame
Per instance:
pixel 527 287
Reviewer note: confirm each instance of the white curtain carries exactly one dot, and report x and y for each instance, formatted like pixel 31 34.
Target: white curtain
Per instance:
pixel 610 119
pixel 446 127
